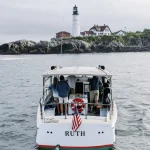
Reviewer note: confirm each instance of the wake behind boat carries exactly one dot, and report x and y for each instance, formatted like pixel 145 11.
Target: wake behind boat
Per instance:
pixel 93 130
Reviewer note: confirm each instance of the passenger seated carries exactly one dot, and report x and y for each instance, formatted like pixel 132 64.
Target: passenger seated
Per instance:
pixel 94 86
pixel 55 93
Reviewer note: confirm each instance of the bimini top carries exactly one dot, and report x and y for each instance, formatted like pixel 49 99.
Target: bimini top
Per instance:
pixel 91 71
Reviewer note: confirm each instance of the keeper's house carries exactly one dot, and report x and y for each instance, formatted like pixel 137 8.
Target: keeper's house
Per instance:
pixel 101 30
pixel 120 33
pixel 97 30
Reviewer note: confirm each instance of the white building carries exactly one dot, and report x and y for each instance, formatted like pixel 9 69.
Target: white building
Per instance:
pixel 76 23
pixel 101 30
pixel 120 33
pixel 87 33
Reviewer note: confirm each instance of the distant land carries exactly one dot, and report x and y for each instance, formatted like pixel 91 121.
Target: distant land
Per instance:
pixel 131 42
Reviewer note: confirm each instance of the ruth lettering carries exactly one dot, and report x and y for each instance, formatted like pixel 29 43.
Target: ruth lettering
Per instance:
pixel 77 133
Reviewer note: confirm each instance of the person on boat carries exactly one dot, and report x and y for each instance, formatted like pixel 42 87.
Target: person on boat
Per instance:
pixel 71 81
pixel 63 90
pixel 94 87
pixel 55 92
pixel 106 91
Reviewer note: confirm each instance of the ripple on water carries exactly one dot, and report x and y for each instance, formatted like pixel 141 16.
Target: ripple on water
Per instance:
pixel 21 88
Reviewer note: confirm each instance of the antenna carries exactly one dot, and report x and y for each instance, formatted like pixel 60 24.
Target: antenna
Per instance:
pixel 61 37
pixel 61 40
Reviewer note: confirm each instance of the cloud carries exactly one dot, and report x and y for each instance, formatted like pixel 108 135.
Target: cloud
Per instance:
pixel 43 18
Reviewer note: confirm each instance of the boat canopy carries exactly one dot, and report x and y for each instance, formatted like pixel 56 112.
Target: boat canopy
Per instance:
pixel 91 71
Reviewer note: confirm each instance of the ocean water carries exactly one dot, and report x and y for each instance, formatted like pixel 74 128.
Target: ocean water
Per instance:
pixel 21 88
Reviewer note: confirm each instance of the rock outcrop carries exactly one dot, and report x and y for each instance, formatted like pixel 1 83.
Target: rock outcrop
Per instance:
pixel 129 43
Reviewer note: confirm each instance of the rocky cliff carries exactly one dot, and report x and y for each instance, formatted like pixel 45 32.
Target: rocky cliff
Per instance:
pixel 132 42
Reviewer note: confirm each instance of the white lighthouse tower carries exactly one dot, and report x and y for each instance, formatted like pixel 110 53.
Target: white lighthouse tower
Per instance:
pixel 76 24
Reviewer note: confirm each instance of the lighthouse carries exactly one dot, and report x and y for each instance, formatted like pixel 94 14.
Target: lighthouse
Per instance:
pixel 76 24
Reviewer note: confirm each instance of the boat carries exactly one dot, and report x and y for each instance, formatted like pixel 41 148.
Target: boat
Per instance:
pixel 96 132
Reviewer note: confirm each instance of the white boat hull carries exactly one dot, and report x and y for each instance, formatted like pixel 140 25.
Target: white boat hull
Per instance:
pixel 94 133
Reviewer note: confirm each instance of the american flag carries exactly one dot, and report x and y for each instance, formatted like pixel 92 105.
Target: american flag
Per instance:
pixel 76 120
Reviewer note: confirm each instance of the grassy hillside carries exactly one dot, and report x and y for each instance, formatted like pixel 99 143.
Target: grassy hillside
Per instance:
pixel 125 40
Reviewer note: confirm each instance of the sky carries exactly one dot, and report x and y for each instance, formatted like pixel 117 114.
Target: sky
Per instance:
pixel 42 19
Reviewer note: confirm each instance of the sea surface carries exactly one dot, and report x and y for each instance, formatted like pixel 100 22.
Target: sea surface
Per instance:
pixel 21 88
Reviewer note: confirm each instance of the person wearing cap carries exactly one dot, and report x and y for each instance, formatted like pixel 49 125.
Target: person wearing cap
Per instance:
pixel 63 90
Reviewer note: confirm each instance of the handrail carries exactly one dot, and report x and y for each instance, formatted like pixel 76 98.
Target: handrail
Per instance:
pixel 52 103
pixel 46 95
pixel 41 109
pixel 86 114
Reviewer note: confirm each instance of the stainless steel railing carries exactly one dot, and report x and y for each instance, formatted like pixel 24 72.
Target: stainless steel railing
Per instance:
pixel 42 105
pixel 47 96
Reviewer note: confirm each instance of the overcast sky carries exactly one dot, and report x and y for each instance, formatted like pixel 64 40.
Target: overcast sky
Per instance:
pixel 41 19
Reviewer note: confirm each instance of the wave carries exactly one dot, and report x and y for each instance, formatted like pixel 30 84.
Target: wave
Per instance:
pixel 10 58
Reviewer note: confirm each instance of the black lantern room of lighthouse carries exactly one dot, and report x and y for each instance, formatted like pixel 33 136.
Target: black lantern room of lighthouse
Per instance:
pixel 75 10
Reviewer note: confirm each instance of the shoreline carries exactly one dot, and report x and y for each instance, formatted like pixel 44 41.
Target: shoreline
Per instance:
pixel 77 53
pixel 98 44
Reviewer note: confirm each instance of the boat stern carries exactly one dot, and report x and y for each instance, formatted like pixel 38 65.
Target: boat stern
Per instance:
pixel 89 136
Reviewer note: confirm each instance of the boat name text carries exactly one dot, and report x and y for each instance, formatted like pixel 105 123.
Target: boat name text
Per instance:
pixel 72 133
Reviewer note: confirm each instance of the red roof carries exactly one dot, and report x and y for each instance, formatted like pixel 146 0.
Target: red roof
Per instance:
pixel 63 32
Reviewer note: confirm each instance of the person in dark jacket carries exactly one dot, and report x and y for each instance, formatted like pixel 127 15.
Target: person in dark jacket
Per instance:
pixel 63 90
pixel 106 91
pixel 94 86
